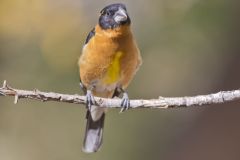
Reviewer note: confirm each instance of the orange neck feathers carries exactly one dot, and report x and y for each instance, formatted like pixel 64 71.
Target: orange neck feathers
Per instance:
pixel 113 33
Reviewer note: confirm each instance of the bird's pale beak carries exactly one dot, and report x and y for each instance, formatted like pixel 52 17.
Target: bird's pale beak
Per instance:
pixel 120 15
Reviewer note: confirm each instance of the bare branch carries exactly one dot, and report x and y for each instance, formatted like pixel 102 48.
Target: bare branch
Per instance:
pixel 161 102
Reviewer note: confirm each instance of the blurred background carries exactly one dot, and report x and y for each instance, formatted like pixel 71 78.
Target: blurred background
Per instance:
pixel 189 47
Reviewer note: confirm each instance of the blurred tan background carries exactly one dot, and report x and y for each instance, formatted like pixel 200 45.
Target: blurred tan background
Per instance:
pixel 189 47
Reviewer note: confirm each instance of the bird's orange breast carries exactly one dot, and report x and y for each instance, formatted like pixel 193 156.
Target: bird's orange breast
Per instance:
pixel 109 57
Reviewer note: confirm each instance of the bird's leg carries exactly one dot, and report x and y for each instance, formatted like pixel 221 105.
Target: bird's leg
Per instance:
pixel 89 98
pixel 125 104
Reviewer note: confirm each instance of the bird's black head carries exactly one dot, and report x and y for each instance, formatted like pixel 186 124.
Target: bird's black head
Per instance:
pixel 113 16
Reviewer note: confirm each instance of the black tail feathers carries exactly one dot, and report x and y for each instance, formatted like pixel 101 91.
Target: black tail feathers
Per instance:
pixel 93 134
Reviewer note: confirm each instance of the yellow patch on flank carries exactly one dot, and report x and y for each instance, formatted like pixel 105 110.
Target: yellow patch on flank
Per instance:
pixel 113 71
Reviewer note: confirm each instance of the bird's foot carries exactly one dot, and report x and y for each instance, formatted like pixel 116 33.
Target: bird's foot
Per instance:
pixel 125 104
pixel 89 100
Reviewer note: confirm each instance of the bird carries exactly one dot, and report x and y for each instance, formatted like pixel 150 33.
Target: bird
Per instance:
pixel 109 60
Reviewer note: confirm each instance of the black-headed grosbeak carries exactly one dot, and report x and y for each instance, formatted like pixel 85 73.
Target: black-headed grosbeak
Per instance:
pixel 109 60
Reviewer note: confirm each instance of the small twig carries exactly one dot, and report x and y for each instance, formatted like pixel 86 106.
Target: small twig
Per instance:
pixel 16 99
pixel 4 84
pixel 161 102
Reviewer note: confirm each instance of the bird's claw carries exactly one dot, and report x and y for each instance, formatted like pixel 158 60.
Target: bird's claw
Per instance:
pixel 125 104
pixel 89 100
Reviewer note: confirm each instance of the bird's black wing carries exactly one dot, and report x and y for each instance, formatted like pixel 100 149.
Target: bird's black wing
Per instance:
pixel 90 35
pixel 84 89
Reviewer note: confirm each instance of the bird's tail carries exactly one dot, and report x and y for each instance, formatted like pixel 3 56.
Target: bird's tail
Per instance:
pixel 93 134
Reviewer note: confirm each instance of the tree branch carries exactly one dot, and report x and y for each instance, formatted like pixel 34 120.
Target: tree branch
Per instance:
pixel 161 102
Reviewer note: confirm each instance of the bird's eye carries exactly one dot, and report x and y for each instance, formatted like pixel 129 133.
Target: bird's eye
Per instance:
pixel 108 13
